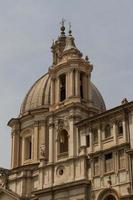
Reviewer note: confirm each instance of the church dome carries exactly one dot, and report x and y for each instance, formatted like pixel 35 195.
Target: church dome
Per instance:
pixel 39 96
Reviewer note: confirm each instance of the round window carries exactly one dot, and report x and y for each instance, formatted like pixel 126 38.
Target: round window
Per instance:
pixel 60 171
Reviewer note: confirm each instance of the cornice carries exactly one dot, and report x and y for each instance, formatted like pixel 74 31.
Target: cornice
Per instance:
pixel 125 108
pixel 79 63
pixel 65 186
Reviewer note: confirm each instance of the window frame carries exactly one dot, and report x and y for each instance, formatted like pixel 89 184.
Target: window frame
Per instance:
pixel 120 133
pixel 94 134
pixel 63 153
pixel 106 134
pixel 27 149
pixel 109 162
pixel 96 165
pixel 121 160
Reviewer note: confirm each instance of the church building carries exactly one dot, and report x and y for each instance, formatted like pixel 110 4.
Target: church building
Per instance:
pixel 65 144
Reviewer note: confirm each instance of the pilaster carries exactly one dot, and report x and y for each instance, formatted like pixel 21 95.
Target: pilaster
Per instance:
pixel 67 85
pixel 100 137
pixel 91 140
pixel 114 131
pixel 71 83
pixel 85 84
pixel 36 142
pixel 52 91
pixel 124 129
pixel 23 150
pixel 15 149
pixel 77 83
pixel 51 141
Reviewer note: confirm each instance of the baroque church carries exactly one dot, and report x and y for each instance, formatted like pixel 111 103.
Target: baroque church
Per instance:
pixel 65 144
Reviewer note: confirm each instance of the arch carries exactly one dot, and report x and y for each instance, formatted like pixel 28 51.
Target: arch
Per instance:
pixel 108 194
pixel 110 197
pixel 26 131
pixel 63 142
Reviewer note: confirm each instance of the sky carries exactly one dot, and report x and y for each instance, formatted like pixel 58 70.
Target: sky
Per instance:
pixel 102 29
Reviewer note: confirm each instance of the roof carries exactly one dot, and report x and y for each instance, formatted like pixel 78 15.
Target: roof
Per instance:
pixel 39 96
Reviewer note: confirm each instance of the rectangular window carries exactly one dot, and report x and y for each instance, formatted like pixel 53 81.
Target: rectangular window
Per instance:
pixel 96 166
pixel 122 163
pixel 109 164
pixel 120 128
pixel 107 131
pixel 87 140
pixel 95 136
pixel 28 148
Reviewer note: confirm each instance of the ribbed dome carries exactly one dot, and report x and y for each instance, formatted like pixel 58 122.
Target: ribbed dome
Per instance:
pixel 39 96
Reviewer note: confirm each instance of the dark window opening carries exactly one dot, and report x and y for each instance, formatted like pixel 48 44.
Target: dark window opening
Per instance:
pixel 28 148
pixel 120 128
pixel 110 197
pixel 108 156
pixel 81 86
pixel 62 87
pixel 88 141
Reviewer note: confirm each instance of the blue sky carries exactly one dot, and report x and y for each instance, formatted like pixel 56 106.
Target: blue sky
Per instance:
pixel 102 30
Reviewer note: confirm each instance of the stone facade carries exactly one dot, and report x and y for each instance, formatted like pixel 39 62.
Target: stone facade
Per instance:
pixel 65 145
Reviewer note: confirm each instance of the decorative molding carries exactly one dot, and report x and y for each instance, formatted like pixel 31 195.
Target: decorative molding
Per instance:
pixel 36 123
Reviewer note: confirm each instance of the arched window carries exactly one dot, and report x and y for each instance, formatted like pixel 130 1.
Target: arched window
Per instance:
pixel 110 197
pixel 62 87
pixel 63 142
pixel 107 131
pixel 120 128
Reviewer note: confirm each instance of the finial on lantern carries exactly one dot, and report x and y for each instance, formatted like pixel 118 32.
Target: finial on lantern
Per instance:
pixel 70 31
pixel 62 27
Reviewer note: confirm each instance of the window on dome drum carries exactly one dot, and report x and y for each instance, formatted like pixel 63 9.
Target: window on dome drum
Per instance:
pixel 122 163
pixel 95 135
pixel 62 87
pixel 109 165
pixel 81 86
pixel 96 166
pixel 28 148
pixel 87 140
pixel 63 142
pixel 120 128
pixel 107 131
